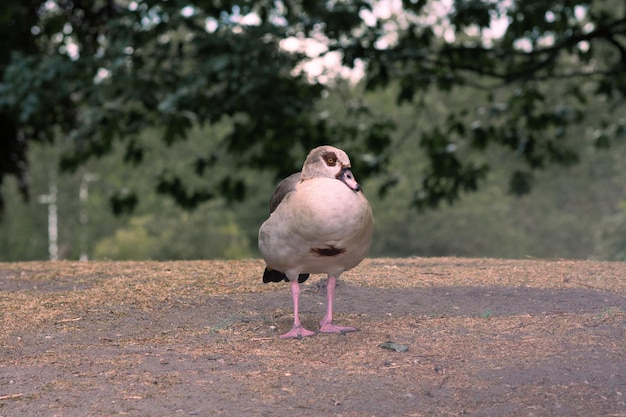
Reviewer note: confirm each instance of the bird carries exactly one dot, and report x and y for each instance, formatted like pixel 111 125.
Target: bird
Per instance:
pixel 320 222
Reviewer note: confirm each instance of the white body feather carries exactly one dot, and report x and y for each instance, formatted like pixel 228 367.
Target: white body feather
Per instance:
pixel 321 213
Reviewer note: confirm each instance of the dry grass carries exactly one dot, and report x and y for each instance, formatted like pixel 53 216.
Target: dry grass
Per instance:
pixel 159 338
pixel 49 287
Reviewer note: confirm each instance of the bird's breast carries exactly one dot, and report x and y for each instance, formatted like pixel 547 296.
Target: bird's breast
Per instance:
pixel 327 209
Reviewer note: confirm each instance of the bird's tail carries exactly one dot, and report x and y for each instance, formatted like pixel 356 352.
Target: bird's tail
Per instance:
pixel 270 275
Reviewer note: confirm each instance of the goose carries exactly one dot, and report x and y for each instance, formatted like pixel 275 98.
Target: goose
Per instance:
pixel 320 223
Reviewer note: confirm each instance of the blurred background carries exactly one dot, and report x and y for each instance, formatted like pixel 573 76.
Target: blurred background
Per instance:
pixel 158 129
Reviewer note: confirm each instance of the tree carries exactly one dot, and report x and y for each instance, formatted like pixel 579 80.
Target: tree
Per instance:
pixel 533 82
pixel 96 72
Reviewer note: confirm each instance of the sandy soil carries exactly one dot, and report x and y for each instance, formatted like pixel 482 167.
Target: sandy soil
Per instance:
pixel 485 338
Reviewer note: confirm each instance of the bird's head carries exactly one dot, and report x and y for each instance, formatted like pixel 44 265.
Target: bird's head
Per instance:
pixel 329 162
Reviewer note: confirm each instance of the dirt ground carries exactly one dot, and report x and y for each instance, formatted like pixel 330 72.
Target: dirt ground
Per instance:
pixel 485 337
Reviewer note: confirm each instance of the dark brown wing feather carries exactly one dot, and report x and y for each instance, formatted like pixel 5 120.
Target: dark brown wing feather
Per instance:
pixel 282 189
pixel 269 275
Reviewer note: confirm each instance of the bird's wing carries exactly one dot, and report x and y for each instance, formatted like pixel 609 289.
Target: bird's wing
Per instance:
pixel 282 189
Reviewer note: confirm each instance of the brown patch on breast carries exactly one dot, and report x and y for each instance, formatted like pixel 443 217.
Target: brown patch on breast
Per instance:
pixel 329 251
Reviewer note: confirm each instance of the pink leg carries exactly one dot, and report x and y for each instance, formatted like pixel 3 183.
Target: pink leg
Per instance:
pixel 326 325
pixel 297 331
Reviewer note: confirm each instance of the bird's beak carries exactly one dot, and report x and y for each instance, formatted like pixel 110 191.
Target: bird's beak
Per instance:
pixel 347 178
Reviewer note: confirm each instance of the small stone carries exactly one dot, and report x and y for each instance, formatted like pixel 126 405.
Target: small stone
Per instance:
pixel 394 346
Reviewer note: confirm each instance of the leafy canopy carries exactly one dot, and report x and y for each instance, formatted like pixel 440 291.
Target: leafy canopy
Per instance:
pixel 95 72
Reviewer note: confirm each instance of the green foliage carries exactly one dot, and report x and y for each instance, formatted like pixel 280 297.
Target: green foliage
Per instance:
pixel 196 236
pixel 129 243
pixel 158 229
pixel 101 72
pixel 572 213
pixel 23 232
pixel 198 101
pixel 611 236
pixel 576 48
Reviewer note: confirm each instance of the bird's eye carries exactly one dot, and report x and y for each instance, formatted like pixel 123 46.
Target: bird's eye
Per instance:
pixel 331 159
